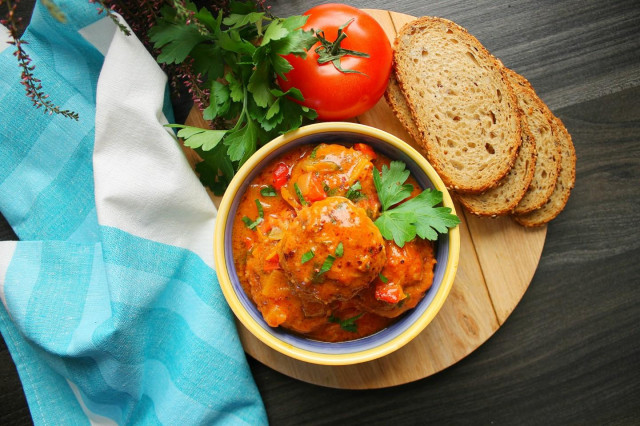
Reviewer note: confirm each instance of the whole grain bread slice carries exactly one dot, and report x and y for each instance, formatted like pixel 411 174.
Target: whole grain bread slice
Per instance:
pixel 502 199
pixel 463 107
pixel 565 183
pixel 540 121
pixel 398 104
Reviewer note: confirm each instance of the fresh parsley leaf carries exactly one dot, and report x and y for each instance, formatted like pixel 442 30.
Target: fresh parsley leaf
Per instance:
pixel 176 41
pixel 235 56
pixel 293 114
pixel 429 220
pixel 216 170
pixel 268 191
pixel 295 22
pixel 237 20
pixel 236 91
pixel 195 137
pixel 242 143
pixel 259 85
pixel 391 185
pixel 220 101
pixel 307 257
pixel 340 250
pixel 415 217
pixel 397 227
pixel 348 324
pixel 383 278
pixel 203 65
pixel 275 31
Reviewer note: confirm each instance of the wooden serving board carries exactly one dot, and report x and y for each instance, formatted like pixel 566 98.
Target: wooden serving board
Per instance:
pixel 497 261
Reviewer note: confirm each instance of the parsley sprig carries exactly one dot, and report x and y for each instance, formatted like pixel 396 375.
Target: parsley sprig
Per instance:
pixel 418 216
pixel 237 56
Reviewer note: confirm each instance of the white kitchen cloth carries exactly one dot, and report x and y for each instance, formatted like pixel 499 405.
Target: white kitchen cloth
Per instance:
pixel 111 307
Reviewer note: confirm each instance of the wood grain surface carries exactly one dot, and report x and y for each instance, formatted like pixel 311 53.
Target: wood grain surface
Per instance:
pixel 569 352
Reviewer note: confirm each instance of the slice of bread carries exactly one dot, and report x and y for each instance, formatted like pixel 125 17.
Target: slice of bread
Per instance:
pixel 502 199
pixel 398 104
pixel 539 119
pixel 463 106
pixel 564 185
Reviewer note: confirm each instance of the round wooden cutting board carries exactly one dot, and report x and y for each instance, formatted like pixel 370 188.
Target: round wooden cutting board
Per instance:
pixel 497 261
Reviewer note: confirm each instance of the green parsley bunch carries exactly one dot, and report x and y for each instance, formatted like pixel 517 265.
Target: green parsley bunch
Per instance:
pixel 237 55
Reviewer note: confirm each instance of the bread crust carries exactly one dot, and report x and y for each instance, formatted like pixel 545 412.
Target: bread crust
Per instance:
pixel 566 182
pixel 471 150
pixel 541 123
pixel 502 199
pixel 398 104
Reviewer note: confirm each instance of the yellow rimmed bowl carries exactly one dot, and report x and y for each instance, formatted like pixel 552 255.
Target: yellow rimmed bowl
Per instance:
pixel 409 325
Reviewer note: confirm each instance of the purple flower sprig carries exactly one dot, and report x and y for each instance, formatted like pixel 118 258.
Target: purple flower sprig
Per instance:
pixel 32 84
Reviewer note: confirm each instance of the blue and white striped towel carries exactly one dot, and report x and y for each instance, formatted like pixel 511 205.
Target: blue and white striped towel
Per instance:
pixel 111 307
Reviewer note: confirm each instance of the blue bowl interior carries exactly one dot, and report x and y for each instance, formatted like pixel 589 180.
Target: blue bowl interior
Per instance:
pixel 365 343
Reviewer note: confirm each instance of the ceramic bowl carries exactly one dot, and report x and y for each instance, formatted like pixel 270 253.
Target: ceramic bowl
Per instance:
pixel 409 325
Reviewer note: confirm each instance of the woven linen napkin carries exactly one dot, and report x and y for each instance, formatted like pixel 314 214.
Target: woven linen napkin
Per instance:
pixel 111 307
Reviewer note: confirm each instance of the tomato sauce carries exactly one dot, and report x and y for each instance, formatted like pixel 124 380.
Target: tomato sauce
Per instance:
pixel 309 255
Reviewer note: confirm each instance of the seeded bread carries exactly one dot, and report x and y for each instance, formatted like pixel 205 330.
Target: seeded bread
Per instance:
pixel 539 119
pixel 396 100
pixel 502 199
pixel 465 110
pixel 564 185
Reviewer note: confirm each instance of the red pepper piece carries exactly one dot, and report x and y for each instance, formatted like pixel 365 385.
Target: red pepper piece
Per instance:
pixel 280 175
pixel 389 292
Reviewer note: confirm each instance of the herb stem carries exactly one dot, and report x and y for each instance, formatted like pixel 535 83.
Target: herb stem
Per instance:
pixel 243 113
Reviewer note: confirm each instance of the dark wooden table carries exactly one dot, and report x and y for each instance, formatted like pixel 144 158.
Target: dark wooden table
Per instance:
pixel 570 352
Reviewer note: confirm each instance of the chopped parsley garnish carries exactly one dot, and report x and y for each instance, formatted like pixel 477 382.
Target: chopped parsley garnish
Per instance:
pixel 252 224
pixel 299 194
pixel 307 257
pixel 354 192
pixel 391 185
pixel 328 263
pixel 383 278
pixel 340 250
pixel 328 190
pixel 326 266
pixel 313 153
pixel 415 217
pixel 268 191
pixel 348 324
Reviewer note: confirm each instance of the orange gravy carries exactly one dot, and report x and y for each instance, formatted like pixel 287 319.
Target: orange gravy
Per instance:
pixel 308 255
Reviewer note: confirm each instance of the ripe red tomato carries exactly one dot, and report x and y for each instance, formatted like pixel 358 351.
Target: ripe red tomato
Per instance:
pixel 337 95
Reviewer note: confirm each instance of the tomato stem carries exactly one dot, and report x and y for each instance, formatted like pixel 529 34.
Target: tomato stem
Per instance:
pixel 333 52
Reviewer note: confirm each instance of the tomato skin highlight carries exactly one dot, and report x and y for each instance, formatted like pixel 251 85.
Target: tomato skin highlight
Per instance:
pixel 280 175
pixel 388 292
pixel 333 94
